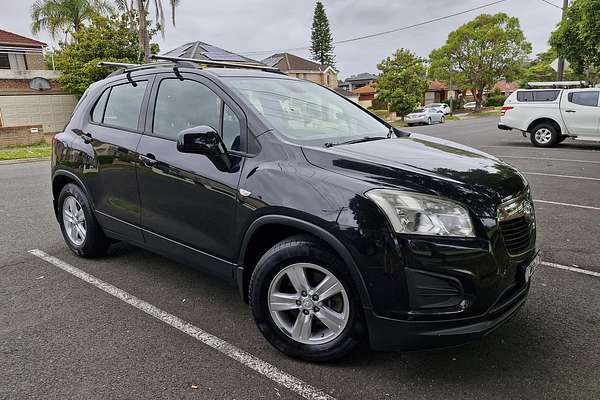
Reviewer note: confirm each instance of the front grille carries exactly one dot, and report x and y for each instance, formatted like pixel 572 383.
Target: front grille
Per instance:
pixel 517 234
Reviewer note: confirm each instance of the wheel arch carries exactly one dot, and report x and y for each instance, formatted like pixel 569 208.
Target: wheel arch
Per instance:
pixel 60 179
pixel 544 120
pixel 288 226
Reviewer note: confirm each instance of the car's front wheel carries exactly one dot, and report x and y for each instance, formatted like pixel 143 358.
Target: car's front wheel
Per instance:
pixel 443 119
pixel 303 301
pixel 79 227
pixel 544 135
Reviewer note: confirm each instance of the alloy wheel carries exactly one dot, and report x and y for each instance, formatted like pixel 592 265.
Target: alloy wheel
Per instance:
pixel 543 135
pixel 74 220
pixel 308 303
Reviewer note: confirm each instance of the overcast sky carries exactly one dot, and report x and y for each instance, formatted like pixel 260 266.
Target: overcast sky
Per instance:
pixel 256 25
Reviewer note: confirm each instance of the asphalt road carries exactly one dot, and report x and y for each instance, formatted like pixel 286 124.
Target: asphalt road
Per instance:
pixel 61 337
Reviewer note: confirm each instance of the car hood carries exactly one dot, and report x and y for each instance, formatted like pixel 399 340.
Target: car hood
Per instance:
pixel 426 165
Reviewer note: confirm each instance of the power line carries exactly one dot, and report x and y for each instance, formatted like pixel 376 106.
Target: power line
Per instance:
pixel 552 4
pixel 403 28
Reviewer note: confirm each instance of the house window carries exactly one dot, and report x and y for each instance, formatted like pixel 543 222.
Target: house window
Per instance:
pixel 4 63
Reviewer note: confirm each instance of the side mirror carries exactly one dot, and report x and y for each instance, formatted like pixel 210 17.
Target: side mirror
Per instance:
pixel 201 140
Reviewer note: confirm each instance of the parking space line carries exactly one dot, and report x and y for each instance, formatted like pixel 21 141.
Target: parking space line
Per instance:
pixel 562 176
pixel 572 269
pixel 561 149
pixel 567 204
pixel 549 159
pixel 284 379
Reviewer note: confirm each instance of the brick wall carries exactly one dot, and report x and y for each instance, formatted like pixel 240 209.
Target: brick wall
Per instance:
pixel 52 111
pixel 21 135
pixel 35 61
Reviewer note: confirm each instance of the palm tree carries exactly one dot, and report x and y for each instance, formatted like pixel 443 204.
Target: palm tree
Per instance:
pixel 68 16
pixel 143 7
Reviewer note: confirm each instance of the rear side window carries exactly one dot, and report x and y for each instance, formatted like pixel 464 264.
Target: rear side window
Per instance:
pixel 123 105
pixel 584 98
pixel 98 112
pixel 537 95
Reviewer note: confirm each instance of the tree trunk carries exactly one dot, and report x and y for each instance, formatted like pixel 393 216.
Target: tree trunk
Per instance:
pixel 144 40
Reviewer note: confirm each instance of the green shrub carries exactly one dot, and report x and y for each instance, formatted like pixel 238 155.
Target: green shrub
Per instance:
pixel 494 101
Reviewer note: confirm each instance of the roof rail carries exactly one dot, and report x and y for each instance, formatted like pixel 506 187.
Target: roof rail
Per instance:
pixel 212 63
pixel 558 85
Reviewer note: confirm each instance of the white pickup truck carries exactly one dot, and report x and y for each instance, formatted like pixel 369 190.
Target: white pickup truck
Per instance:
pixel 552 115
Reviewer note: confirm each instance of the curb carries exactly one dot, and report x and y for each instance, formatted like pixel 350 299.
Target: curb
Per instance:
pixel 23 160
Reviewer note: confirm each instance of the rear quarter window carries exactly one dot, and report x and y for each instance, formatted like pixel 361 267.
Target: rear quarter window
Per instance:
pixel 537 95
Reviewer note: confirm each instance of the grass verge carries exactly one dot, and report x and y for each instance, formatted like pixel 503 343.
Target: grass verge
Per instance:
pixel 38 150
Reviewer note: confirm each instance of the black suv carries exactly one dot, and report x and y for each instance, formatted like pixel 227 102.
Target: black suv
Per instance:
pixel 335 226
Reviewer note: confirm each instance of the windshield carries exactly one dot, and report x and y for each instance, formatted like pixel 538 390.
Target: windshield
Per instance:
pixel 305 111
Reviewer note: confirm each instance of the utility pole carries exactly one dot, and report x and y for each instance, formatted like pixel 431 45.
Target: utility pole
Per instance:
pixel 561 61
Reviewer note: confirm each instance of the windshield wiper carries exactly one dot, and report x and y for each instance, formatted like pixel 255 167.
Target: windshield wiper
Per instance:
pixel 361 140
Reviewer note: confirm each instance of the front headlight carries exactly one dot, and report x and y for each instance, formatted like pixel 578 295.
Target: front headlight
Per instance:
pixel 422 214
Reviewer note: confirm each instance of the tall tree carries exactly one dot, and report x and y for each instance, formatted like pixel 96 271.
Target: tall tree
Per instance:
pixel 481 52
pixel 65 16
pixel 402 81
pixel 321 39
pixel 577 38
pixel 143 7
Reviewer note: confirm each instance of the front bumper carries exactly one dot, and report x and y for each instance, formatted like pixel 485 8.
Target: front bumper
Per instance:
pixel 416 333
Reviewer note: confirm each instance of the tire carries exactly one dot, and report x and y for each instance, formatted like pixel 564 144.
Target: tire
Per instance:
pixel 562 138
pixel 443 119
pixel 319 343
pixel 409 124
pixel 87 239
pixel 544 135
pixel 429 121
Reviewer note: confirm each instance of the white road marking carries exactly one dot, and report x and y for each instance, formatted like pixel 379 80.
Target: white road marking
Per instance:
pixel 572 269
pixel 290 382
pixel 567 204
pixel 562 176
pixel 529 147
pixel 549 159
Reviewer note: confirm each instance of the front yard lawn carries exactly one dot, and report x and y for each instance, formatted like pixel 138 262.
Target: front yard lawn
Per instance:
pixel 39 150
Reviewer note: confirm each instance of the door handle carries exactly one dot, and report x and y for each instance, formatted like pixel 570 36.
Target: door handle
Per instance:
pixel 570 111
pixel 148 159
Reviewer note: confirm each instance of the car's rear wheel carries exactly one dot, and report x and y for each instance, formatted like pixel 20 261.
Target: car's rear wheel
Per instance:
pixel 544 135
pixel 79 227
pixel 443 119
pixel 429 121
pixel 303 301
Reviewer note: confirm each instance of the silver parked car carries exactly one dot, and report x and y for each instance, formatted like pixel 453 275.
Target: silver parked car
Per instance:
pixel 440 106
pixel 426 115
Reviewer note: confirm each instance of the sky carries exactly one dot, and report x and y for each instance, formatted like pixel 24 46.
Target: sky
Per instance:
pixel 248 26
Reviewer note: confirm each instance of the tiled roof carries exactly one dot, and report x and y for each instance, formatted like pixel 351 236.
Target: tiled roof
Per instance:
pixel 12 39
pixel 364 90
pixel 504 86
pixel 204 51
pixel 436 85
pixel 291 62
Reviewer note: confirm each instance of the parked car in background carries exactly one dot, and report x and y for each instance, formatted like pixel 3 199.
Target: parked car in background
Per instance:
pixel 335 226
pixel 440 106
pixel 470 105
pixel 550 116
pixel 427 115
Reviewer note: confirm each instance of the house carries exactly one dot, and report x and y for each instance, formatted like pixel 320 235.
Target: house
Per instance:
pixel 505 88
pixel 366 95
pixel 358 81
pixel 204 51
pixel 30 102
pixel 302 68
pixel 349 95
